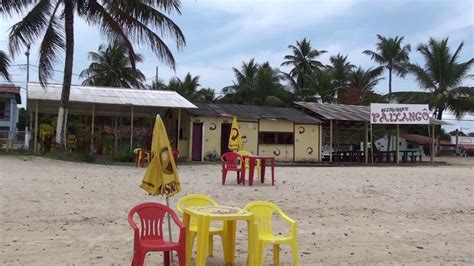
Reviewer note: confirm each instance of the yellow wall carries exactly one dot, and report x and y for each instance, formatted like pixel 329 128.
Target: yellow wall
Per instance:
pixel 249 129
pixel 281 152
pixel 276 125
pixel 307 143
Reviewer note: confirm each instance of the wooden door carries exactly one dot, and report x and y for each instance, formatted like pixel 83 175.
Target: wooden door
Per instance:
pixel 197 142
pixel 225 134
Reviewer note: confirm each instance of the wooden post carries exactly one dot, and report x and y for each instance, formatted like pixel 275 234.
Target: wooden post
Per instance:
pixel 115 134
pixel 432 143
pixel 372 145
pixel 92 128
pixel 131 128
pixel 398 144
pixel 179 129
pixel 366 140
pixel 35 146
pixel 330 141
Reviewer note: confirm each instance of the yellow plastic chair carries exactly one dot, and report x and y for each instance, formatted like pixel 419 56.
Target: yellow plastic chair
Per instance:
pixel 263 212
pixel 247 163
pixel 197 200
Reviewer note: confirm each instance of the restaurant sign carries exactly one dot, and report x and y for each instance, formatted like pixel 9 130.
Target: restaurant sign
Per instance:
pixel 381 113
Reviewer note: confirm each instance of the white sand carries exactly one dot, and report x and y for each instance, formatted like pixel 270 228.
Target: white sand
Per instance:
pixel 55 212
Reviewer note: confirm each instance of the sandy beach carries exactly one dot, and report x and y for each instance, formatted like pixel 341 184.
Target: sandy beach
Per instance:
pixel 56 213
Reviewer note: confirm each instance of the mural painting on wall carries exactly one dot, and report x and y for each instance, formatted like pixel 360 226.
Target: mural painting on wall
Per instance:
pixel 276 152
pixel 124 131
pixel 244 139
pixel 212 126
pixel 309 150
pixel 301 130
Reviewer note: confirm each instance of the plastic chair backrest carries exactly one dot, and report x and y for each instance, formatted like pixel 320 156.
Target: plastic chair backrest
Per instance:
pixel 263 212
pixel 231 160
pixel 194 200
pixel 151 217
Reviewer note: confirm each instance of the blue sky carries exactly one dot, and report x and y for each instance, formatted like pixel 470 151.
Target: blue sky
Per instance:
pixel 221 34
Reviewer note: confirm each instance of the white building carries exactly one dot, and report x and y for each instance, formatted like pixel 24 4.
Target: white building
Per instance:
pixel 9 100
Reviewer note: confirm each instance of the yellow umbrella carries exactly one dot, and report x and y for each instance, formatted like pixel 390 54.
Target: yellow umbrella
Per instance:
pixel 235 139
pixel 161 177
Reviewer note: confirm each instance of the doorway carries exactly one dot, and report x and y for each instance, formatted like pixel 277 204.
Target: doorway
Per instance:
pixel 225 133
pixel 197 142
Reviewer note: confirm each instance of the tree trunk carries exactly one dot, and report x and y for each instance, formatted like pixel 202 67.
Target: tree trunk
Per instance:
pixel 390 83
pixel 68 63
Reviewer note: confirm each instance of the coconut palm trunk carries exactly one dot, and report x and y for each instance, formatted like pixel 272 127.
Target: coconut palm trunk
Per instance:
pixel 68 63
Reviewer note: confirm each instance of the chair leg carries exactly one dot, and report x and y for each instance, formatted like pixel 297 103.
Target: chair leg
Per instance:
pixel 261 253
pixel 166 258
pixel 141 258
pixel 182 257
pixel 189 247
pixel 276 255
pixel 210 249
pixel 224 175
pixel 294 251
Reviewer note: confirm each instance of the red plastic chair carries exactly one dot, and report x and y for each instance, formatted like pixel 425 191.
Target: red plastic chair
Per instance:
pixel 149 237
pixel 231 161
pixel 175 156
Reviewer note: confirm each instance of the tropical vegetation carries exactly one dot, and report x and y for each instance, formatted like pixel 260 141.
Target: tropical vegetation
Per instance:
pixel 51 23
pixel 391 54
pixel 4 65
pixel 111 67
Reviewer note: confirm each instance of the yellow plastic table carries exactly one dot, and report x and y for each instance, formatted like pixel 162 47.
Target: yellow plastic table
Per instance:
pixel 229 215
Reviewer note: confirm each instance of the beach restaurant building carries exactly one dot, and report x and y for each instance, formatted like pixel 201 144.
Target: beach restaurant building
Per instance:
pixel 286 133
pixel 104 118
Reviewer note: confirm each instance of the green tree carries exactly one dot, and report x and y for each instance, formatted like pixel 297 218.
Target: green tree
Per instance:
pixel 441 76
pixel 322 85
pixel 392 55
pixel 303 58
pixel 111 67
pixel 4 65
pixel 340 69
pixel 256 84
pixel 364 81
pixel 206 95
pixel 52 24
pixel 157 85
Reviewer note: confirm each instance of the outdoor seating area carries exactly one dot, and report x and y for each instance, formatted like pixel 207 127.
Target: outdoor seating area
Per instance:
pixel 198 212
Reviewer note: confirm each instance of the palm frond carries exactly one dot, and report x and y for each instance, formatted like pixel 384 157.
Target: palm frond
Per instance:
pixel 4 65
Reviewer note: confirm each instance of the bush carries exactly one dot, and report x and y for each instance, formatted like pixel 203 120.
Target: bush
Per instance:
pixel 87 157
pixel 127 156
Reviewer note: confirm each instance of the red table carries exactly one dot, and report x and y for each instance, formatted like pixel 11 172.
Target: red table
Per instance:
pixel 263 160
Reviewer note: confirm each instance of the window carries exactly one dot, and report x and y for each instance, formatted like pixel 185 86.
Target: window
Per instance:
pixel 276 138
pixel 3 113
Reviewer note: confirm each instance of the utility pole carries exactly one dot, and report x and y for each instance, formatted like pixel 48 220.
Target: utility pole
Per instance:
pixel 27 133
pixel 156 77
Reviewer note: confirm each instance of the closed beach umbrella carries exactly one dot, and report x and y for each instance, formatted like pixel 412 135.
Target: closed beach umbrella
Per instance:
pixel 161 177
pixel 235 139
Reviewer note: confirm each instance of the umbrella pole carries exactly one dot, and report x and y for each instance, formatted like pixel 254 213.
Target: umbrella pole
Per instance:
pixel 169 227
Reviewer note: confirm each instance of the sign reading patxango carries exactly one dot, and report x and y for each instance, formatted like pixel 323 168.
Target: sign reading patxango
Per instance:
pixel 399 113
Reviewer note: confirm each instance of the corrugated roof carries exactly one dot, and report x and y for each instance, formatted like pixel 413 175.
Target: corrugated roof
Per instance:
pixel 11 89
pixel 252 112
pixel 107 95
pixel 342 112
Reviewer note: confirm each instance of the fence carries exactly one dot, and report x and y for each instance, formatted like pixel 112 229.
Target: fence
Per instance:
pixel 14 139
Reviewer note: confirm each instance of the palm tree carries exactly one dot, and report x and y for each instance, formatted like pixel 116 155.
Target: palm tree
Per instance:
pixel 322 85
pixel 303 58
pixel 4 65
pixel 206 95
pixel 340 69
pixel 441 77
pixel 392 55
pixel 157 84
pixel 363 81
pixel 111 67
pixel 257 84
pixel 188 88
pixel 52 23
